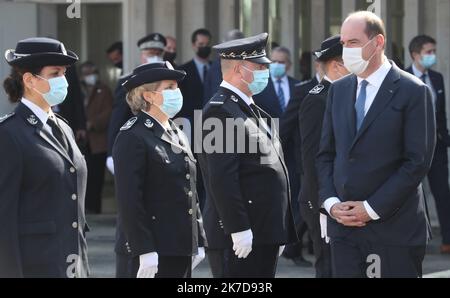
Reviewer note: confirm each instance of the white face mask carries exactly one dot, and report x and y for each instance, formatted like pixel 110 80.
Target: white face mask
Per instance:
pixel 91 80
pixel 354 61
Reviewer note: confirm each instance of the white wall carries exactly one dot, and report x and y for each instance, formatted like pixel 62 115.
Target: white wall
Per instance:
pixel 17 21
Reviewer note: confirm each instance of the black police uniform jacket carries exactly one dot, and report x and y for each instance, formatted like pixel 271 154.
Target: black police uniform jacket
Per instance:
pixel 245 190
pixel 42 192
pixel 156 190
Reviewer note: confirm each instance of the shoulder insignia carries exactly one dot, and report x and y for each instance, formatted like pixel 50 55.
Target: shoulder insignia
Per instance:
pixel 218 100
pixel 6 117
pixel 149 123
pixel 316 90
pixel 129 124
pixel 32 120
pixel 304 83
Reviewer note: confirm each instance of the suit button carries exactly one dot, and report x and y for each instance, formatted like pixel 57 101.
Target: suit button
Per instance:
pixel 250 202
pixel 74 225
pixel 190 211
pixel 154 217
pixel 190 194
pixel 72 170
pixel 74 197
pixel 188 176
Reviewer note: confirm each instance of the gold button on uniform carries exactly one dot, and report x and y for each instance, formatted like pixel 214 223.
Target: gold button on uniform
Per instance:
pixel 74 225
pixel 188 176
pixel 190 194
pixel 186 158
pixel 190 211
pixel 74 197
pixel 72 170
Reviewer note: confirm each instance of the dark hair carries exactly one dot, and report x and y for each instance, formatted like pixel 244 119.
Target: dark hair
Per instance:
pixel 417 43
pixel 13 84
pixel 197 32
pixel 117 46
pixel 89 64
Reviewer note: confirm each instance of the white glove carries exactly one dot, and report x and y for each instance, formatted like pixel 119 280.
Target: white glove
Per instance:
pixel 280 252
pixel 148 265
pixel 198 257
pixel 323 228
pixel 110 164
pixel 242 243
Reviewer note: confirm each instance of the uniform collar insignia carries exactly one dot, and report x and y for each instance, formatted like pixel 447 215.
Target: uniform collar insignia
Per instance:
pixel 317 89
pixel 32 120
pixel 233 98
pixel 149 123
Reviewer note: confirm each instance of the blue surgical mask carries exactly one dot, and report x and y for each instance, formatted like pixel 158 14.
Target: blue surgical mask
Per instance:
pixel 428 61
pixel 260 80
pixel 154 59
pixel 278 70
pixel 173 102
pixel 58 90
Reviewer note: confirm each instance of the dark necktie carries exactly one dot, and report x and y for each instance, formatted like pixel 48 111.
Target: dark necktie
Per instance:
pixel 424 78
pixel 58 133
pixel 255 110
pixel 361 104
pixel 281 96
pixel 205 72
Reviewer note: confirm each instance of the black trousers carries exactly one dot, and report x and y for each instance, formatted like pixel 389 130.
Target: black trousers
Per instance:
pixel 216 259
pixel 322 250
pixel 353 257
pixel 96 178
pixel 438 179
pixel 260 263
pixel 168 267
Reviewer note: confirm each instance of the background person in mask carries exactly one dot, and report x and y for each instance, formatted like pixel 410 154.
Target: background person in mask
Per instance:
pixel 98 101
pixel 310 117
pixel 155 179
pixel 115 54
pixel 423 52
pixel 170 51
pixel 192 88
pixel 377 143
pixel 43 173
pixel 248 217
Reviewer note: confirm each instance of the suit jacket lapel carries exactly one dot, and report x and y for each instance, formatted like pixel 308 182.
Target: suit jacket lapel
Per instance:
pixel 350 94
pixel 30 118
pixel 383 97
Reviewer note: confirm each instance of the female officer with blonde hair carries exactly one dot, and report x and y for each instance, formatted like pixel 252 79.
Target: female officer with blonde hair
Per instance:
pixel 155 174
pixel 43 173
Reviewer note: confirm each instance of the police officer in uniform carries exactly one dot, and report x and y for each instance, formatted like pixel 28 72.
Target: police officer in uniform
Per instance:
pixel 248 217
pixel 43 173
pixel 155 174
pixel 311 114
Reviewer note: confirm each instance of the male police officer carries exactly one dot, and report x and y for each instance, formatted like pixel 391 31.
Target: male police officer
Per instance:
pixel 247 213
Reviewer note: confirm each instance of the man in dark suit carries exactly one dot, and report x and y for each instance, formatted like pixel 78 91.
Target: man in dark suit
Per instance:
pixel 423 51
pixel 247 216
pixel 310 118
pixel 377 143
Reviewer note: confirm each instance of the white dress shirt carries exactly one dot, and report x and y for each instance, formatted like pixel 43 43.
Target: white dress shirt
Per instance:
pixel 428 82
pixel 40 113
pixel 284 87
pixel 200 67
pixel 248 100
pixel 375 81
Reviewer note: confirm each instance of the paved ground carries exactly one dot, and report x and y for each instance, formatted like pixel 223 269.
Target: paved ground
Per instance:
pixel 101 254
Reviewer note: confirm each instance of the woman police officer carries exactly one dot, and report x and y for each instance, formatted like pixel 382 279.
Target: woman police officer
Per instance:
pixel 155 173
pixel 43 173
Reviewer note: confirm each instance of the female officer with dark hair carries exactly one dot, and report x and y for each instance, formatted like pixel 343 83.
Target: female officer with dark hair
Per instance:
pixel 155 175
pixel 43 174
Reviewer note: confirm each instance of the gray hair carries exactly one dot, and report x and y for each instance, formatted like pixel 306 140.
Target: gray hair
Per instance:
pixel 136 100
